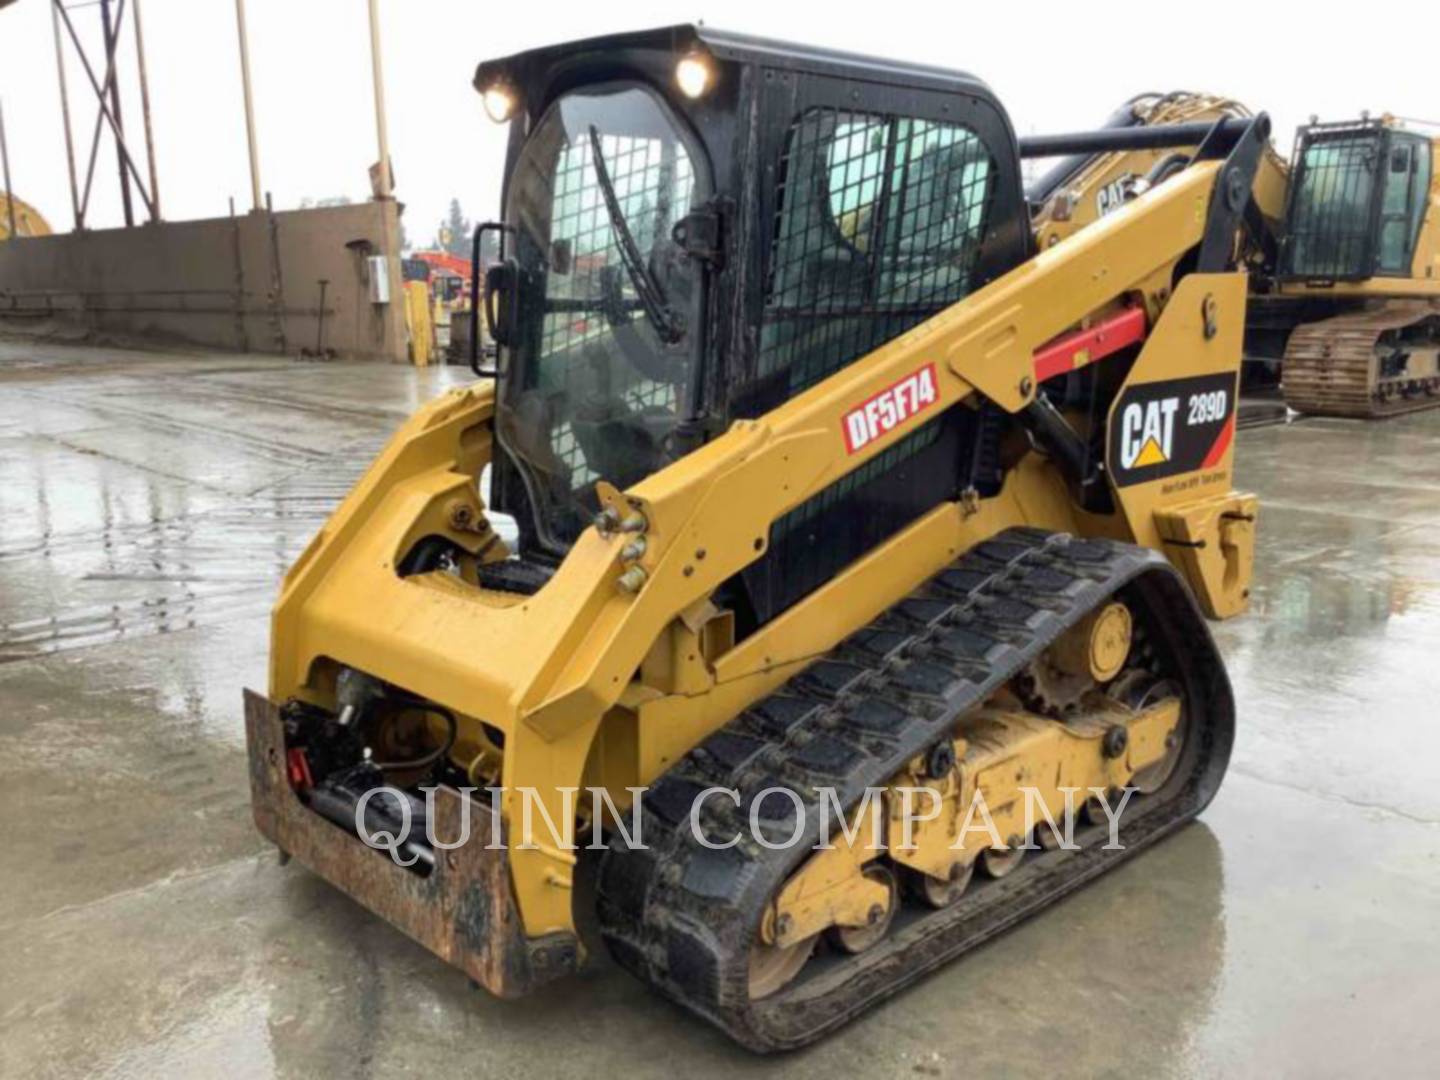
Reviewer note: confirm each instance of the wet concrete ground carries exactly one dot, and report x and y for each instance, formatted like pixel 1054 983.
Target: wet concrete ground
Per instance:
pixel 148 504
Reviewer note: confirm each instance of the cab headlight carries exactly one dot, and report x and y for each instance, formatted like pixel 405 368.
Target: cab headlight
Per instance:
pixel 694 73
pixel 500 101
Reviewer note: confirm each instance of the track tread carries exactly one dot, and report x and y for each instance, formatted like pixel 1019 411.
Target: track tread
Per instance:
pixel 1331 366
pixel 681 916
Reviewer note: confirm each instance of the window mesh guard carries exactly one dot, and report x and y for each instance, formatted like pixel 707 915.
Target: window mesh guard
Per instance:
pixel 1330 233
pixel 880 226
pixel 653 185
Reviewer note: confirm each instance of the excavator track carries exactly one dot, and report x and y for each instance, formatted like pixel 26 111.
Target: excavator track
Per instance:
pixel 1336 367
pixel 683 916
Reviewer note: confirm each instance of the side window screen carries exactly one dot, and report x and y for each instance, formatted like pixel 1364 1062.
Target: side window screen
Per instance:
pixel 879 227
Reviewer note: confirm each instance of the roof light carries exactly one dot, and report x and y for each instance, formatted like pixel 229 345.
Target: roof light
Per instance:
pixel 499 102
pixel 694 74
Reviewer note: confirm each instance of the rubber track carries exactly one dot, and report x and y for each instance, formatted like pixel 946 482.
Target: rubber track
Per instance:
pixel 682 916
pixel 1330 366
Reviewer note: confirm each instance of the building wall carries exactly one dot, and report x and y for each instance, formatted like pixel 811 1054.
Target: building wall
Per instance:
pixel 250 282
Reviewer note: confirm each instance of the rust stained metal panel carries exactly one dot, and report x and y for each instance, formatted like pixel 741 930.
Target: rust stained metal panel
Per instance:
pixel 463 911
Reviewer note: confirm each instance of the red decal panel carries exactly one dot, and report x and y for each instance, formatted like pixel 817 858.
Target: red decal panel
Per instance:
pixel 1222 443
pixel 891 408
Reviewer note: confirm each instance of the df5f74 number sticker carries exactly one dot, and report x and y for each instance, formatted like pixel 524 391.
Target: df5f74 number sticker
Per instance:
pixel 897 404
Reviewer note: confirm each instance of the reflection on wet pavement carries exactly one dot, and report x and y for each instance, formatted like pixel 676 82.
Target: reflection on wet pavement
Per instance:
pixel 149 504
pixel 130 510
pixel 130 578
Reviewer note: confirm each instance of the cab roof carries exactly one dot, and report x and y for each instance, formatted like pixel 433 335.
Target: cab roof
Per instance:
pixel 539 65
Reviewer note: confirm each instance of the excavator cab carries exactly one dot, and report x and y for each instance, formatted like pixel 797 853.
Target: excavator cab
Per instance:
pixel 1357 202
pixel 1355 307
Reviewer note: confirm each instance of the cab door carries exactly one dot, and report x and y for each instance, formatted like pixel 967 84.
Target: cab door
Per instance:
pixel 1402 207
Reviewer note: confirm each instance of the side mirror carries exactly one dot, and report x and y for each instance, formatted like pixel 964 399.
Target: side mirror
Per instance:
pixel 502 293
pixel 1400 159
pixel 477 298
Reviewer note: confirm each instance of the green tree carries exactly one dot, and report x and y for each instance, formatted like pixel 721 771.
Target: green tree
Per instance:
pixel 454 233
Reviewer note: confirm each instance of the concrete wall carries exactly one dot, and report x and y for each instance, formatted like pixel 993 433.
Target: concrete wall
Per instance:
pixel 250 282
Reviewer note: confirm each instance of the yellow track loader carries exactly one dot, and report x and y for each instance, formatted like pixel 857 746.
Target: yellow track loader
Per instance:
pixel 857 609
pixel 1343 247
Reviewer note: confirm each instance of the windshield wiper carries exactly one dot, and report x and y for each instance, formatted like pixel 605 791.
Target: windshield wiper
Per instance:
pixel 667 322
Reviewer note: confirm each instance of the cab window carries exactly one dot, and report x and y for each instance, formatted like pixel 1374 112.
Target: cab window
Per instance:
pixel 879 228
pixel 1407 186
pixel 1330 225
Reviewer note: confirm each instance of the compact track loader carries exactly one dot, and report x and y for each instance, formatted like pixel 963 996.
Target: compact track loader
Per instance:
pixel 1343 245
pixel 841 510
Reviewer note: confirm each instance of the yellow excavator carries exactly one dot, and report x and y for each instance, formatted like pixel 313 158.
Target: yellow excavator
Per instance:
pixel 1079 189
pixel 28 220
pixel 1343 248
pixel 1355 292
pixel 858 605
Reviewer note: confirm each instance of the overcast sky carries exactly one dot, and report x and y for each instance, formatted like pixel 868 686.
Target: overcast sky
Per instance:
pixel 1056 66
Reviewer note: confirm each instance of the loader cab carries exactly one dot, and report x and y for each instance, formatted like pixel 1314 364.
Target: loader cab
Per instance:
pixel 699 226
pixel 1357 202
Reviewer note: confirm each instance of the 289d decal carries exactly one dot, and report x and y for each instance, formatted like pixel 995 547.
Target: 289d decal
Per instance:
pixel 1163 428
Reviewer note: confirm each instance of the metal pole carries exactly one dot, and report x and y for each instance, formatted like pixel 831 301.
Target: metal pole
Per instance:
pixel 145 108
pixel 65 116
pixel 104 109
pixel 320 323
pixel 5 164
pixel 99 122
pixel 110 45
pixel 379 80
pixel 249 105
